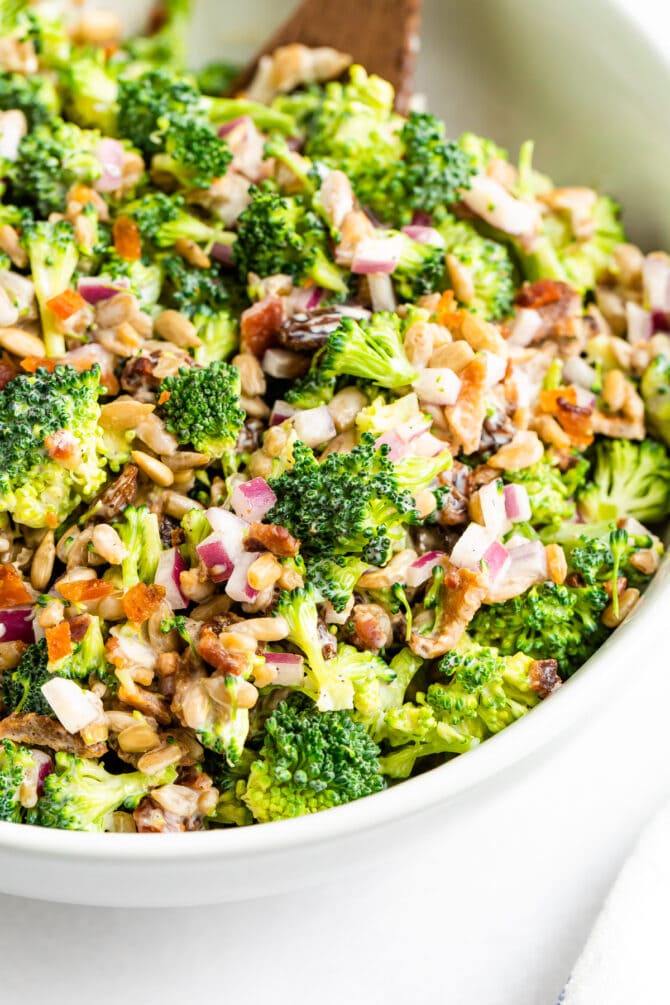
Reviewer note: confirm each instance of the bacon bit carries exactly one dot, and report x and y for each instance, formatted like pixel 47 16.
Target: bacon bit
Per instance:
pixel 462 594
pixel 540 293
pixel 259 325
pixel 79 627
pixel 164 396
pixel 140 602
pixel 448 312
pixel 66 304
pixel 466 417
pixel 13 591
pixel 548 400
pixel 127 241
pixel 59 641
pixel 81 591
pixel 7 371
pixel 212 651
pixel 576 421
pixel 31 364
pixel 273 537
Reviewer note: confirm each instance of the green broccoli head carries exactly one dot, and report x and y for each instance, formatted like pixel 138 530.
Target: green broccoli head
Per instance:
pixel 203 407
pixel 226 725
pixel 51 158
pixel 628 479
pixel 601 552
pixel 488 264
pixel 80 795
pixel 53 259
pixel 281 234
pixel 90 92
pixel 547 622
pixel 146 99
pixel 22 687
pixel 335 578
pixel 371 350
pixel 140 534
pixel 655 388
pixel 551 493
pixel 164 48
pixel 35 96
pixel 162 221
pixel 193 153
pixel 231 781
pixel 420 268
pixel 87 655
pixel 44 416
pixel 349 504
pixel 17 765
pixel 211 301
pixel 310 761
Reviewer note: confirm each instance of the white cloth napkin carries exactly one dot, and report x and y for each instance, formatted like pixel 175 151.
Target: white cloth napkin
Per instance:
pixel 625 960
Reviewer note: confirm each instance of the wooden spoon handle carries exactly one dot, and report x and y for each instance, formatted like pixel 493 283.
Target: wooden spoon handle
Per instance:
pixel 382 35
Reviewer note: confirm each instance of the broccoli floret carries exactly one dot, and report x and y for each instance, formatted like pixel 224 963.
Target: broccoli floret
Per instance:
pixel 269 120
pixel 210 301
pixel 310 761
pixel 86 656
pixel 485 692
pixel 218 334
pixel 348 504
pixel 628 479
pixel 335 578
pixel 547 622
pixel 146 99
pixel 281 234
pixel 551 493
pixel 163 220
pixel 90 92
pixel 196 528
pixel 599 552
pixel 165 47
pixel 51 159
pixel 377 687
pixel 655 388
pixel 216 78
pixel 140 534
pixel 22 687
pixel 226 725
pixel 372 350
pixel 231 781
pixel 420 268
pixel 203 408
pixel 481 150
pixel 80 795
pixel 488 264
pixel 35 96
pixel 36 412
pixel 193 153
pixel 145 280
pixel 17 764
pixel 53 259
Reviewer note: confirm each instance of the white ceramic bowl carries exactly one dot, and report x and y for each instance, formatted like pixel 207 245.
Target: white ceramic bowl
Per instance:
pixel 590 87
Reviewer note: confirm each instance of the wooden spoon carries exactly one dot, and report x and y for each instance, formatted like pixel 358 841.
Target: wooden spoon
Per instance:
pixel 382 35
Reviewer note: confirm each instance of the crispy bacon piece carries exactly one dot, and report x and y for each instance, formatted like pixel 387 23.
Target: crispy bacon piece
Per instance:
pixel 541 293
pixel 212 651
pixel 140 602
pixel 371 627
pixel 461 597
pixel 575 420
pixel 43 731
pixel 79 627
pixel 260 323
pixel 13 591
pixel 84 590
pixel 59 641
pixel 466 417
pixel 271 537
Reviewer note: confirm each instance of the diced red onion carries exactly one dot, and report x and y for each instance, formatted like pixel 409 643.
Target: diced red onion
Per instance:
pixel 427 445
pixel 232 529
pixel 438 386
pixel 376 255
pixel 496 367
pixel 424 235
pixel 16 625
pixel 493 507
pixel 529 556
pixel 170 566
pixel 422 569
pixel 382 295
pixel 656 282
pixel 283 364
pixel 497 560
pixel 517 503
pixel 44 766
pixel 110 155
pixel 528 566
pixel 421 219
pixel 74 707
pixel 228 127
pixel 577 371
pixel 638 323
pixel 281 411
pixel 398 448
pixel 288 667
pixel 314 426
pixel 660 321
pixel 315 298
pixel 251 500
pixel 216 556
pixel 527 322
pixel 222 252
pixel 94 289
pixel 237 586
pixel 493 203
pixel 470 548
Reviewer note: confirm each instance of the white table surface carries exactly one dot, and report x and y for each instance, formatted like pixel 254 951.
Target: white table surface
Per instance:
pixel 497 921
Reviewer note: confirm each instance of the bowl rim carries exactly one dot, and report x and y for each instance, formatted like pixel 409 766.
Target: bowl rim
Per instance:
pixel 602 677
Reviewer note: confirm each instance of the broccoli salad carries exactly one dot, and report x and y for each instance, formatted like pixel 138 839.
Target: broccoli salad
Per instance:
pixel 329 446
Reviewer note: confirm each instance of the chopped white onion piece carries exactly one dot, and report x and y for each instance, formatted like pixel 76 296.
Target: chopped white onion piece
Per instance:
pixel 492 504
pixel 525 326
pixel 74 707
pixel 376 255
pixel 638 322
pixel 382 294
pixel 656 282
pixel 170 565
pixel 437 385
pixel 470 547
pixel 237 586
pixel 496 367
pixel 314 426
pixel 488 199
pixel 577 371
